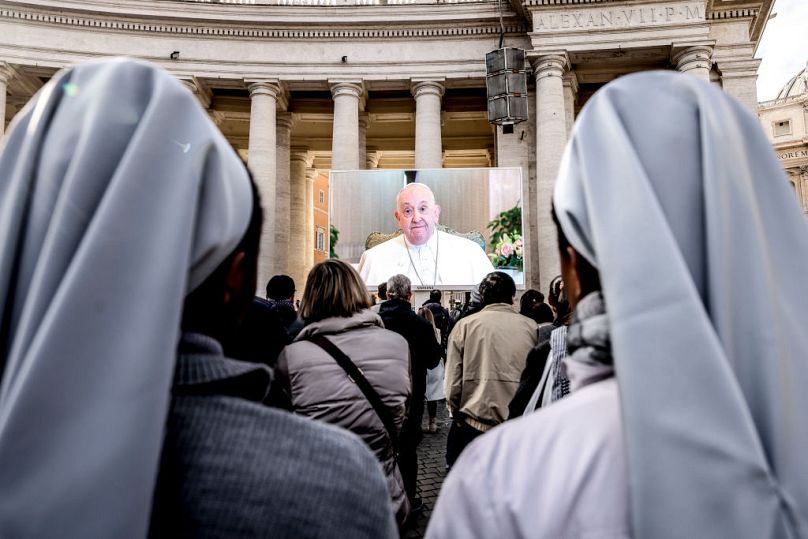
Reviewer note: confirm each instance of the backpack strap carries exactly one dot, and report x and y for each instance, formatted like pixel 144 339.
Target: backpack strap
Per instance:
pixel 356 376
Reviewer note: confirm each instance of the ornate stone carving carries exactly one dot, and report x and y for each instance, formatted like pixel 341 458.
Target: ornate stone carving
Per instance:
pixel 349 88
pixel 550 65
pixel 696 57
pixel 427 88
pixel 270 88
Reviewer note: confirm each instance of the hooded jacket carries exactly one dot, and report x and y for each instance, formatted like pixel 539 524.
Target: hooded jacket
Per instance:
pixel 319 388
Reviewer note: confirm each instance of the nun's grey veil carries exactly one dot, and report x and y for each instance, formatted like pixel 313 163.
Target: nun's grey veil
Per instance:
pixel 671 190
pixel 117 197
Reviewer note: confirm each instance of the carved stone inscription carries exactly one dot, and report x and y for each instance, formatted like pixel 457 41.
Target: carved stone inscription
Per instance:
pixel 618 17
pixel 793 155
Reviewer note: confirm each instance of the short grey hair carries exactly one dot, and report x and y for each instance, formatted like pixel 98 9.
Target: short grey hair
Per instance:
pixel 398 287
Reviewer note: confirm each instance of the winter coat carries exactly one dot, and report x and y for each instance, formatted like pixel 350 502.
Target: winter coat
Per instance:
pixel 425 351
pixel 486 357
pixel 319 388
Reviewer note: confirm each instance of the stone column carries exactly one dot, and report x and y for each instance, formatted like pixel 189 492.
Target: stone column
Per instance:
pixel 551 137
pixel 282 190
pixel 310 175
pixel 297 217
pixel 364 122
pixel 428 145
pixel 696 60
pixel 6 75
pixel 373 155
pixel 513 150
pixel 345 140
pixel 570 98
pixel 739 79
pixel 262 162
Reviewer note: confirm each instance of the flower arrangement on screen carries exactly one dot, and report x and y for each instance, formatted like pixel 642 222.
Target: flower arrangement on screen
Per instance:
pixel 508 252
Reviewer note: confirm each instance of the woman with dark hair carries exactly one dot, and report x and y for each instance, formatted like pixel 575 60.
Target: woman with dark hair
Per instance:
pixel 336 306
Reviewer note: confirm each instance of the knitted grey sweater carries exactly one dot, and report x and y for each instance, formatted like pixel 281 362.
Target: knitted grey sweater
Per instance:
pixel 232 467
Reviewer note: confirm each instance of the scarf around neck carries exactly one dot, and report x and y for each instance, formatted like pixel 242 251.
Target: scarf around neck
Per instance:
pixel 589 347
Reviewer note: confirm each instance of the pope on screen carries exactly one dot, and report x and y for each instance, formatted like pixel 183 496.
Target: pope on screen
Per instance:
pixel 429 257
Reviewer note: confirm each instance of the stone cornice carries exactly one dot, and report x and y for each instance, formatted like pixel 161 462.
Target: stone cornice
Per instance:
pixel 732 14
pixel 535 3
pixel 260 29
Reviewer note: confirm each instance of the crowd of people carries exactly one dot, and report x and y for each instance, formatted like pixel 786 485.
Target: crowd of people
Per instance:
pixel 658 392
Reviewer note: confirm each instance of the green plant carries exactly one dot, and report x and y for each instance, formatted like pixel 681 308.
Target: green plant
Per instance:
pixel 507 223
pixel 333 238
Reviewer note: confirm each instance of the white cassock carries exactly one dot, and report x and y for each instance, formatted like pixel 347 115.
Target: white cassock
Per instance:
pixel 560 472
pixel 444 260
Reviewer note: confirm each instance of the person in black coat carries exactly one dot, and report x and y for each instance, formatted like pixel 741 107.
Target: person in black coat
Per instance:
pixel 425 353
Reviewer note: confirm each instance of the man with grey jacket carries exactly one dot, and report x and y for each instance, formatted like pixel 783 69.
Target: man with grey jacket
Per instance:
pixel 485 358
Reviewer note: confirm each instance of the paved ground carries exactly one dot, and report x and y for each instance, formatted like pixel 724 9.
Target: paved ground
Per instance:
pixel 431 470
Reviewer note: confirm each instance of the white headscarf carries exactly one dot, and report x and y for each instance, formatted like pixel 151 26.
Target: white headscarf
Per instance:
pixel 671 190
pixel 117 197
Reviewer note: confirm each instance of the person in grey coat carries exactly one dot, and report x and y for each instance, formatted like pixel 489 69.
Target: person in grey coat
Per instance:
pixel 337 305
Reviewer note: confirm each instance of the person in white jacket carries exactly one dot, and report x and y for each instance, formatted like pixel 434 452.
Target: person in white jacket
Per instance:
pixel 427 256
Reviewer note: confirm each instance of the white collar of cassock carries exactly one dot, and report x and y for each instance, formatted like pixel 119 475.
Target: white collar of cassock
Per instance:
pixel 431 245
pixel 424 260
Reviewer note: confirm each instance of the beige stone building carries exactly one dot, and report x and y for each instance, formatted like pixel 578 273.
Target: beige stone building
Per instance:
pixel 785 121
pixel 300 87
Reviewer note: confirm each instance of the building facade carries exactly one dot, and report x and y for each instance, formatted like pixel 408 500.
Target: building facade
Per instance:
pixel 785 121
pixel 300 87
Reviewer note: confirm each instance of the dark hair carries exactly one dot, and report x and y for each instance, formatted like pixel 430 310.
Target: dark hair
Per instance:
pixel 497 287
pixel 532 305
pixel 530 299
pixel 381 290
pixel 203 310
pixel 543 314
pixel 554 290
pixel 280 287
pixel 434 296
pixel 587 273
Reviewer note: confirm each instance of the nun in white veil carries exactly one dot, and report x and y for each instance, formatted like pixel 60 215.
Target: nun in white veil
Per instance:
pixel 118 196
pixel 670 190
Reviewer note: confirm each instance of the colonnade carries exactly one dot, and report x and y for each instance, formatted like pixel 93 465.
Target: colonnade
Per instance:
pixel 285 178
pixel 555 98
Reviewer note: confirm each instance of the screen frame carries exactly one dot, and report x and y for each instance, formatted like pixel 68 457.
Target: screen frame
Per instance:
pixel 526 264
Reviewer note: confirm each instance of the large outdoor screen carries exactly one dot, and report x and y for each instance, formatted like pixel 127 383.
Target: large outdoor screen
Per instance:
pixel 444 228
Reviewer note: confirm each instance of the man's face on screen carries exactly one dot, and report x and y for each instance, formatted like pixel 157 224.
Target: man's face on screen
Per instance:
pixel 417 214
